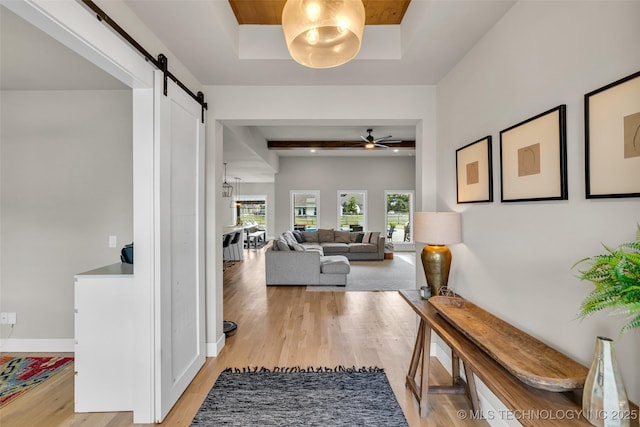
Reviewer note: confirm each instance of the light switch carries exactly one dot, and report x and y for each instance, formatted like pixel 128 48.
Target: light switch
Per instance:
pixel 113 241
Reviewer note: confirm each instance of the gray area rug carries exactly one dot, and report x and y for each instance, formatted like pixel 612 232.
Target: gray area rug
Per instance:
pixel 301 397
pixel 387 275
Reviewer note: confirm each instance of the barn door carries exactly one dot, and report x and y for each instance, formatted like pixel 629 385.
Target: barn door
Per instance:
pixel 180 316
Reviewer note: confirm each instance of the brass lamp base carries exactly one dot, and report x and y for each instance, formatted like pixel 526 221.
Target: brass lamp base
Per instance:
pixel 436 261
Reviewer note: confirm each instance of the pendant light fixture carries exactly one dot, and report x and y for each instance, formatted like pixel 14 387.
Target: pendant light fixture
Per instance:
pixel 238 203
pixel 227 189
pixel 323 33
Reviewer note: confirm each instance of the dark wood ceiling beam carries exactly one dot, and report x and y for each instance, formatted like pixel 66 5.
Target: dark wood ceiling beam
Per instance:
pixel 389 12
pixel 332 145
pixel 269 12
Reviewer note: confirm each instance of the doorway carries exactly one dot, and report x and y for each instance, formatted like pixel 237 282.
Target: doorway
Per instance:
pixel 399 216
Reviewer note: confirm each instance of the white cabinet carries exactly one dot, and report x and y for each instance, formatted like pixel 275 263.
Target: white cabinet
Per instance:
pixel 104 339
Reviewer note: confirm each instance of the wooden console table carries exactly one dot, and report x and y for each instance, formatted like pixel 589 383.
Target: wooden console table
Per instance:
pixel 532 406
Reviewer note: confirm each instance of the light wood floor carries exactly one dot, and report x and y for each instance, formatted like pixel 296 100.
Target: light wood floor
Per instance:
pixel 277 326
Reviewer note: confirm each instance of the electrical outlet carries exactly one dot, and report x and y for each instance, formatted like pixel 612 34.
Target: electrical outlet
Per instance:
pixel 113 241
pixel 7 318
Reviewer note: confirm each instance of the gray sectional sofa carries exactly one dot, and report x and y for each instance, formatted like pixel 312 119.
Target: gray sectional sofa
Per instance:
pixel 319 257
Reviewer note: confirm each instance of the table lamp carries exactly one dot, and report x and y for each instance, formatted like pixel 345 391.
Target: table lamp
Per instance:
pixel 436 229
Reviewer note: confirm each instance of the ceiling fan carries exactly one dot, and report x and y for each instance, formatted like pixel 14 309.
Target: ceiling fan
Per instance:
pixel 371 142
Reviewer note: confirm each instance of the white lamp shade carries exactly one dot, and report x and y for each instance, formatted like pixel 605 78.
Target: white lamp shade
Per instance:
pixel 434 228
pixel 323 33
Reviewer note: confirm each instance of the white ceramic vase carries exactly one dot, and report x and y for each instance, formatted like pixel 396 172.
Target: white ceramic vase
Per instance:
pixel 604 400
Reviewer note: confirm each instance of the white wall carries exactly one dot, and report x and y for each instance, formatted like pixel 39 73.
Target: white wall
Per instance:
pixel 121 13
pixel 516 258
pixel 330 174
pixel 66 187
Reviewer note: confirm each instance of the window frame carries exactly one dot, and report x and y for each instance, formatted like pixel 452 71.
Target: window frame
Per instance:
pixel 292 213
pixel 365 207
pixel 252 198
pixel 411 194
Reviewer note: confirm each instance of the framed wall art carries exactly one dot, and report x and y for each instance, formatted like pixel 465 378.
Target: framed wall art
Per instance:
pixel 612 139
pixel 533 158
pixel 474 175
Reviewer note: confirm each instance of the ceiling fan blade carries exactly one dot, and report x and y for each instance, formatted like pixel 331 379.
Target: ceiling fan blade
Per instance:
pixel 381 145
pixel 382 138
pixel 364 138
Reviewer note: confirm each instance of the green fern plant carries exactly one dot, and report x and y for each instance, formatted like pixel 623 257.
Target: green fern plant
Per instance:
pixel 616 276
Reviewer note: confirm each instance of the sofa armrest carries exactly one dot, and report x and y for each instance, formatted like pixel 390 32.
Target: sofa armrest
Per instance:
pixel 381 241
pixel 292 267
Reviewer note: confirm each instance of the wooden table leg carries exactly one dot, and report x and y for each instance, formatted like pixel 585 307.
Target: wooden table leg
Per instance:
pixel 420 357
pixel 470 383
pixel 471 388
pixel 455 368
pixel 426 363
pixel 415 357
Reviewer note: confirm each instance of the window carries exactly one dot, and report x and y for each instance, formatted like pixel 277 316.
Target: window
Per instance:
pixel 305 206
pixel 399 216
pixel 252 210
pixel 352 209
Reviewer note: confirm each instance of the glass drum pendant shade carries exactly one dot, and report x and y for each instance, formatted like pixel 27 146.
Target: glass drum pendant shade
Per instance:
pixel 323 33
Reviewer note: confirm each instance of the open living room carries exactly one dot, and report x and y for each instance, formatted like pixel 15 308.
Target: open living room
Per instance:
pixel 521 119
pixel 311 194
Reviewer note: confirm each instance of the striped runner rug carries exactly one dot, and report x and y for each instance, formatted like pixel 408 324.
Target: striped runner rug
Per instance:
pixel 301 397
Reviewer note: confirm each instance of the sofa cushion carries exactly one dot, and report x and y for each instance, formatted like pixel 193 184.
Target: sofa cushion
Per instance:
pixel 310 236
pixel 298 235
pixel 282 244
pixel 288 237
pixel 342 236
pixel 362 247
pixel 371 237
pixel 298 247
pixel 335 248
pixel 313 248
pixel 359 237
pixel 308 246
pixel 325 235
pixel 335 264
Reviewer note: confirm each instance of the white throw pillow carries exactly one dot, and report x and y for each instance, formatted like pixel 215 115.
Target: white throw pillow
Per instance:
pixel 371 237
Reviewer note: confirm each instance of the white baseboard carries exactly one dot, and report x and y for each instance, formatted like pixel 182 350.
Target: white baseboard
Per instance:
pixel 491 408
pixel 18 345
pixel 214 348
pixel 66 345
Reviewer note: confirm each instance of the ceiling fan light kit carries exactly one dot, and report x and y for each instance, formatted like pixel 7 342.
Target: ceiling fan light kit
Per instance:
pixel 323 33
pixel 371 142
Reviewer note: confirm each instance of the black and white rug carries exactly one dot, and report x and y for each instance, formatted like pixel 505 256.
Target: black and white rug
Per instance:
pixel 301 397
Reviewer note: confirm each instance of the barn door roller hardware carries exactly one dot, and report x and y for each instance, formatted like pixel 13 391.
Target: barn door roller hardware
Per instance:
pixel 161 63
